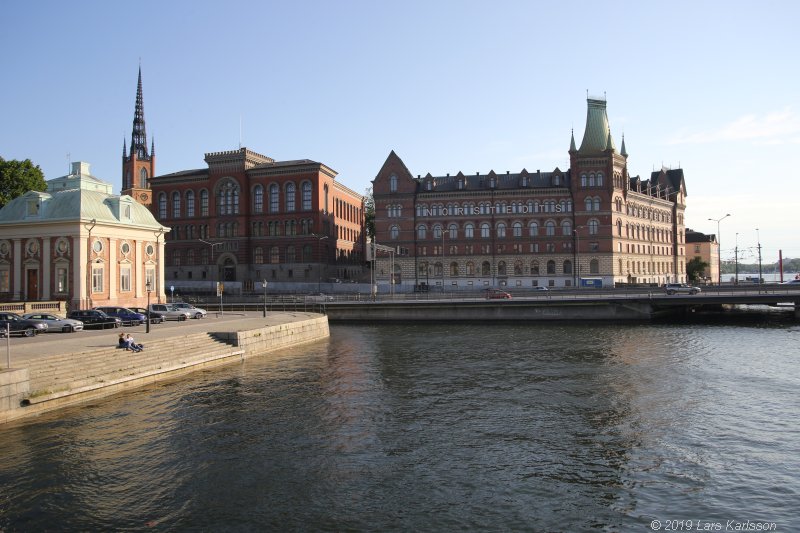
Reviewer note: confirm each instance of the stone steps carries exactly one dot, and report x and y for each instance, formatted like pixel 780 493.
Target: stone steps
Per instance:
pixel 61 374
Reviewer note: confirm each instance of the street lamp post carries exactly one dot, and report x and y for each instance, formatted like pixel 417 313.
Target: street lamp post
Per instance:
pixel 719 248
pixel 576 276
pixel 758 238
pixel 320 238
pixel 211 258
pixel 265 298
pixel 736 261
pixel 147 328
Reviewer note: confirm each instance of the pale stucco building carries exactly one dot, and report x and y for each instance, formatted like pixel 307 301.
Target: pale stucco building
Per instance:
pixel 80 243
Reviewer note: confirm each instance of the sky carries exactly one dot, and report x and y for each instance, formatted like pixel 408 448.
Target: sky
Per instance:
pixel 712 87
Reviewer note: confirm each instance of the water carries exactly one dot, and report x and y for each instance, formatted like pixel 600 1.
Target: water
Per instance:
pixel 435 428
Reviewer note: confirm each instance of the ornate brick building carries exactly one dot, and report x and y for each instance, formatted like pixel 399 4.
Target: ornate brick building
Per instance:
pixel 588 224
pixel 246 217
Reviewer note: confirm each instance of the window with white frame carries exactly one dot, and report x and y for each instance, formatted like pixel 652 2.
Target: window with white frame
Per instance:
pixel 125 278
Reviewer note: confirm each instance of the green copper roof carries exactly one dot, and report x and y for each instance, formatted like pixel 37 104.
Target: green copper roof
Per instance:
pixel 597 136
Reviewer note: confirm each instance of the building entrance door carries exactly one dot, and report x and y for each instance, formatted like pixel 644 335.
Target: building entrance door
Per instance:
pixel 32 285
pixel 229 270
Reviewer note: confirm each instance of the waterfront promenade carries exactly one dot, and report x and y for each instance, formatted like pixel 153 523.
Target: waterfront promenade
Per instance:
pixel 57 369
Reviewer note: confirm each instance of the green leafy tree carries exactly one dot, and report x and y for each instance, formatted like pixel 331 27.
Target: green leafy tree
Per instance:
pixel 369 213
pixel 19 177
pixel 695 269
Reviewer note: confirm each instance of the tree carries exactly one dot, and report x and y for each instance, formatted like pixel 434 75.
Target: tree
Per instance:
pixel 19 177
pixel 695 269
pixel 369 213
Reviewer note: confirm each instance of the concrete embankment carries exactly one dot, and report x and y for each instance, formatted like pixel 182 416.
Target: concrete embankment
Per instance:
pixel 64 369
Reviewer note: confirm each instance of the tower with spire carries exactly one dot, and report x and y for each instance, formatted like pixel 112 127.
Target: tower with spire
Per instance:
pixel 138 163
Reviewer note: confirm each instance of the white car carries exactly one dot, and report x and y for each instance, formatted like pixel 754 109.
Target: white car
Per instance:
pixel 319 297
pixel 56 323
pixel 194 312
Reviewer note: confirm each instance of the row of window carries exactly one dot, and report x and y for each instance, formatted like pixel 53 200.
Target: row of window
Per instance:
pixel 227 197
pixel 518 268
pixel 501 230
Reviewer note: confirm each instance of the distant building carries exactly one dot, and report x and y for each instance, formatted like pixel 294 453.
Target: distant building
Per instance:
pixel 248 218
pixel 80 243
pixel 706 248
pixel 561 228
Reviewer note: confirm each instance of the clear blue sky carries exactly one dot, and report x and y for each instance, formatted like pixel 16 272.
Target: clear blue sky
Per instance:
pixel 451 86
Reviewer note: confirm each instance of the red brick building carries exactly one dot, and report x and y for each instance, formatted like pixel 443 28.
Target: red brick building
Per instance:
pixel 247 218
pixel 588 224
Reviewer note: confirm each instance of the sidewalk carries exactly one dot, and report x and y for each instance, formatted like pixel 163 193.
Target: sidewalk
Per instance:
pixel 23 349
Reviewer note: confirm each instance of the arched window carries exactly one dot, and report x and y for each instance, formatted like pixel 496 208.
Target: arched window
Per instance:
pixel 325 206
pixel 501 230
pixel 596 203
pixel 583 180
pixel 470 268
pixel 274 255
pixel 290 197
pixel 258 255
pixel 422 231
pixel 594 226
pixel 394 232
pixel 533 229
pixel 535 268
pixel 594 266
pixel 274 198
pixel 501 268
pixel 453 269
pixel 162 205
pixel 599 179
pixel 517 267
pixel 517 228
pixel 566 228
pixel 550 227
pixel 189 203
pixel 203 203
pixel 306 187
pixel 469 230
pixel 551 267
pixel 588 203
pixel 228 197
pixel 567 267
pixel 258 199
pixel 176 205
pixel 393 183
pixel 486 268
pixel 453 231
pixel 619 228
pixel 437 269
pixel 437 231
pixel 485 230
pixel 143 178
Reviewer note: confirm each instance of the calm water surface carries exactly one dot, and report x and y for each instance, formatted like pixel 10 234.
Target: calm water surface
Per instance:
pixel 435 428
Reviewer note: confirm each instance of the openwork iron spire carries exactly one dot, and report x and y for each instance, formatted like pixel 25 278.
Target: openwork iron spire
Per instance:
pixel 139 135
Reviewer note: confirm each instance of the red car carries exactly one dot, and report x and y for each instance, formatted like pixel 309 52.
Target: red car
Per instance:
pixel 497 294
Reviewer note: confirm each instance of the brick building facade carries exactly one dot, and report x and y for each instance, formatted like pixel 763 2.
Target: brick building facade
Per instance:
pixel 592 222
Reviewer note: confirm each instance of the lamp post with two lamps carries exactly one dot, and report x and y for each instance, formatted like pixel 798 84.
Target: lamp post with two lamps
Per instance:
pixel 719 248
pixel 265 297
pixel 149 288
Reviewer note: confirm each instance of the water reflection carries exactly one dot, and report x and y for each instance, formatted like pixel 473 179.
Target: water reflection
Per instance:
pixel 556 427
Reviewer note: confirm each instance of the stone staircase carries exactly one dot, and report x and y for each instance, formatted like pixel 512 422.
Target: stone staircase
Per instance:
pixel 56 376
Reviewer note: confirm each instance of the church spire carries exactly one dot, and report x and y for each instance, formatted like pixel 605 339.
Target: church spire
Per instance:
pixel 139 134
pixel 138 165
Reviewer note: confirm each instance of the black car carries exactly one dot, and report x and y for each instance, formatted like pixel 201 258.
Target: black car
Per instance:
pixel 94 318
pixel 16 325
pixel 155 317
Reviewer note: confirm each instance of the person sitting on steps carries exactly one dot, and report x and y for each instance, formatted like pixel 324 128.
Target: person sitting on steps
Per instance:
pixel 123 342
pixel 132 344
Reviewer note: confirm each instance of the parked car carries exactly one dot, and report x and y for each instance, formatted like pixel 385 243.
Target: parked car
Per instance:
pixel 496 294
pixel 127 316
pixel 17 325
pixel 56 323
pixel 795 281
pixel 169 312
pixel 155 318
pixel 680 288
pixel 319 298
pixel 95 318
pixel 541 288
pixel 195 312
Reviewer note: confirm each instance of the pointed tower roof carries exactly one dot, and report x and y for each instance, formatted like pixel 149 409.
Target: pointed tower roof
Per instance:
pixel 572 142
pixel 597 136
pixel 139 135
pixel 623 151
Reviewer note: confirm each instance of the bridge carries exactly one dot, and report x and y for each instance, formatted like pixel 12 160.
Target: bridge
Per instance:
pixel 641 304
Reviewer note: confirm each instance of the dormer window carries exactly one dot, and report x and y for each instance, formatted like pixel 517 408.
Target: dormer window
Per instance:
pixel 33 207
